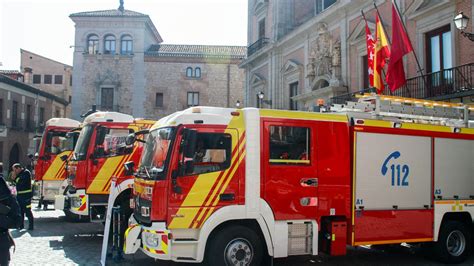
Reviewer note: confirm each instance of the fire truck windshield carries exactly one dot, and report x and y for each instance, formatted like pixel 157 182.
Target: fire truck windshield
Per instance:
pixel 57 142
pixel 80 151
pixel 155 153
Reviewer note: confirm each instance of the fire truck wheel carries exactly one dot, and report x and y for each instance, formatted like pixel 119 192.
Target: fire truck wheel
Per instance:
pixel 235 245
pixel 454 242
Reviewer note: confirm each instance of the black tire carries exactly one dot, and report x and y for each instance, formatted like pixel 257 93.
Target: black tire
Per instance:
pixel 233 245
pixel 454 242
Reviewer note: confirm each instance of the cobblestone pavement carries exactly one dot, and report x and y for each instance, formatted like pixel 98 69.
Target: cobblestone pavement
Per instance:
pixel 58 242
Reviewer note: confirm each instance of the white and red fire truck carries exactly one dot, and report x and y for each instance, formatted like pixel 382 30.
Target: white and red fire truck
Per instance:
pixel 235 186
pixel 97 158
pixel 50 170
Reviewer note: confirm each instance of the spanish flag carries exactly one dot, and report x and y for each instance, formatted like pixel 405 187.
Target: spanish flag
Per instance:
pixel 382 52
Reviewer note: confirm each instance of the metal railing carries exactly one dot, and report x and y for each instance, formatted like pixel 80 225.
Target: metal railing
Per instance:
pixel 441 85
pixel 259 44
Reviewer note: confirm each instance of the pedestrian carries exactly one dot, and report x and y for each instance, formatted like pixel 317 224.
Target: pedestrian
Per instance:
pixel 9 218
pixel 22 181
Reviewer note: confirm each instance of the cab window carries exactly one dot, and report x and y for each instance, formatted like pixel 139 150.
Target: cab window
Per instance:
pixel 113 143
pixel 212 153
pixel 57 142
pixel 289 145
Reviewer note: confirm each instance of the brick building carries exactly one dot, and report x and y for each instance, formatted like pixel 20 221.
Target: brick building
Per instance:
pixel 48 75
pixel 121 64
pixel 23 111
pixel 300 51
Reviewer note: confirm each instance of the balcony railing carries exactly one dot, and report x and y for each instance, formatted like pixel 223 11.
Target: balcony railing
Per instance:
pixel 441 85
pixel 254 47
pixel 438 85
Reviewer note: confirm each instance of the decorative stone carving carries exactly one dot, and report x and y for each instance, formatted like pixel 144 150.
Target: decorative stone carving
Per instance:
pixel 107 78
pixel 325 57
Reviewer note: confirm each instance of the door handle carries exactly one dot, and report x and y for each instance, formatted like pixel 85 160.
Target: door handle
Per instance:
pixel 227 197
pixel 309 182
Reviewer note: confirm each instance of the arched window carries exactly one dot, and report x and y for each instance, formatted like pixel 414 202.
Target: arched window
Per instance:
pixel 197 72
pixel 109 44
pixel 93 44
pixel 189 72
pixel 126 44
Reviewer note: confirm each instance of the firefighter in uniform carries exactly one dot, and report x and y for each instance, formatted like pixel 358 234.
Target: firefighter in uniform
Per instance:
pixel 22 180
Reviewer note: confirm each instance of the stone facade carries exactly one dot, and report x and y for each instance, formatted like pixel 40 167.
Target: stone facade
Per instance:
pixel 23 111
pixel 150 80
pixel 61 74
pixel 319 48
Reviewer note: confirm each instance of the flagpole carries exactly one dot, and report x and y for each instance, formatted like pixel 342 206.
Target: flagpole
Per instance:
pixel 365 19
pixel 381 23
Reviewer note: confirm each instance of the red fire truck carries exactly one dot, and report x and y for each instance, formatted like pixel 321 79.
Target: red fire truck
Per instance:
pixel 98 156
pixel 50 171
pixel 235 186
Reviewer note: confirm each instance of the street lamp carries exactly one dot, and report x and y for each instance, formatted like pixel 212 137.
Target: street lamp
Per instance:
pixel 261 100
pixel 237 104
pixel 461 21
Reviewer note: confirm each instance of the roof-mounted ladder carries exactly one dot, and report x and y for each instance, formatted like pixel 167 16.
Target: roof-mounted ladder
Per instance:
pixel 373 106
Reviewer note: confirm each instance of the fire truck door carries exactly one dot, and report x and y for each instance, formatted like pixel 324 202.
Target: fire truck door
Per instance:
pixel 107 158
pixel 211 179
pixel 289 169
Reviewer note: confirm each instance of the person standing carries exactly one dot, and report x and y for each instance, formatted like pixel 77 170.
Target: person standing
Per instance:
pixel 22 181
pixel 9 219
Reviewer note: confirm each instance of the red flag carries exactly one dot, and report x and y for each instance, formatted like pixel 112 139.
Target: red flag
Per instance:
pixel 401 46
pixel 370 53
pixel 382 53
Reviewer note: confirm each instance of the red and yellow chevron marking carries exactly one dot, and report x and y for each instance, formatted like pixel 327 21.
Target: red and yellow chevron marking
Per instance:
pixel 83 203
pixel 57 169
pixel 207 187
pixel 163 245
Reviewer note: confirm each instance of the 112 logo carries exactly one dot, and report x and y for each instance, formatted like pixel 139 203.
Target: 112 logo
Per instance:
pixel 396 170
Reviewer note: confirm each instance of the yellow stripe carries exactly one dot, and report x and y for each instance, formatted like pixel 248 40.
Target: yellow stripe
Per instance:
pixel 393 241
pixel 289 161
pixel 303 115
pixel 353 187
pixel 104 174
pixel 23 191
pixel 414 126
pixel 56 166
pixel 225 179
pixel 454 201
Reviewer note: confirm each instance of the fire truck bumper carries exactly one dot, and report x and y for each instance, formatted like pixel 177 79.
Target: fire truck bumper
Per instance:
pixel 153 241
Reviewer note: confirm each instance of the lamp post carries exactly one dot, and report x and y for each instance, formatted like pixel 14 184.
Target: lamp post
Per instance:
pixel 237 104
pixel 461 22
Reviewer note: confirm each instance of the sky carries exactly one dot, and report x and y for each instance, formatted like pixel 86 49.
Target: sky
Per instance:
pixel 44 27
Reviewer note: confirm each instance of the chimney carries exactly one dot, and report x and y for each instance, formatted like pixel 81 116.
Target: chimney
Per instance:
pixel 28 73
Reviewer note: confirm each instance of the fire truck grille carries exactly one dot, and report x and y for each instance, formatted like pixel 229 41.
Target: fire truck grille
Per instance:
pixel 300 238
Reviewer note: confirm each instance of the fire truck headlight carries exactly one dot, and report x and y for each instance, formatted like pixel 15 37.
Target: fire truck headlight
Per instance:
pixel 76 202
pixel 152 240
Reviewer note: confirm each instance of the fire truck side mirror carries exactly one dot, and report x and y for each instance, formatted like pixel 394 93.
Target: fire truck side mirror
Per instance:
pixel 131 138
pixel 188 143
pixel 129 167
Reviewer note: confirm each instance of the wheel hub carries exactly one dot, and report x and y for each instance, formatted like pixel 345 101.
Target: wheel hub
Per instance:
pixel 238 252
pixel 456 243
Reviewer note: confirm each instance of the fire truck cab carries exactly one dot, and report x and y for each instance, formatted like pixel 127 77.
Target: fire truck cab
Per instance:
pixel 97 158
pixel 50 171
pixel 233 186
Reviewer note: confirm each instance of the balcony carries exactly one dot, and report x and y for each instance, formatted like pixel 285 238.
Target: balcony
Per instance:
pixel 442 85
pixel 254 47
